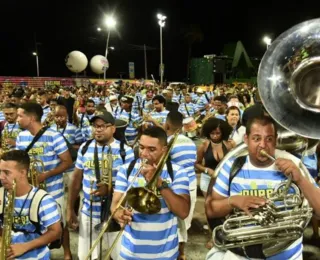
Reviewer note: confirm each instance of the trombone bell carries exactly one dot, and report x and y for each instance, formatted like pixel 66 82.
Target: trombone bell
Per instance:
pixel 144 200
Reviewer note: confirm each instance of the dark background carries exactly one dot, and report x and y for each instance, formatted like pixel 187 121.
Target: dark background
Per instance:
pixel 64 26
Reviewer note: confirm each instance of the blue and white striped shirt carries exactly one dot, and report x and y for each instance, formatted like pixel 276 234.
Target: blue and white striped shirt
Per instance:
pixel 152 236
pixel 184 153
pixel 86 164
pixel 24 230
pixel 261 182
pixel 130 132
pixel 47 149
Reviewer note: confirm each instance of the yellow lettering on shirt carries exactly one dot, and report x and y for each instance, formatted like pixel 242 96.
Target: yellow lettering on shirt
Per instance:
pixel 258 193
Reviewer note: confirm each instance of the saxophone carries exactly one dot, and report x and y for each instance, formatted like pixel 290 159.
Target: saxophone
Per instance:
pixel 8 221
pixel 34 172
pixel 106 178
pixel 4 146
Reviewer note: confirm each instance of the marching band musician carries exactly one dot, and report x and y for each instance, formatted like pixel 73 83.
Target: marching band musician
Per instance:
pixel 183 153
pixel 87 169
pixel 42 99
pixel 251 186
pixel 126 113
pixel 26 241
pixel 51 149
pixel 152 236
pixel 11 128
pixel 187 108
pixel 159 115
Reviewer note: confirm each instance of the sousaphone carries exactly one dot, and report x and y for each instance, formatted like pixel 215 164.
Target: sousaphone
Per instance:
pixel 289 79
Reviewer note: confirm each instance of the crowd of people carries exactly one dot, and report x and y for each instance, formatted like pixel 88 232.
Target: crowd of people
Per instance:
pixel 97 143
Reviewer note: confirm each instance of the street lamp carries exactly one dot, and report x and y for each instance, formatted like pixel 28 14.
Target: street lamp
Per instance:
pixel 110 22
pixel 161 22
pixel 37 61
pixel 267 41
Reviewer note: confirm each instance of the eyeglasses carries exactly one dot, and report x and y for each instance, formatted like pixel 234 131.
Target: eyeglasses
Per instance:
pixel 101 127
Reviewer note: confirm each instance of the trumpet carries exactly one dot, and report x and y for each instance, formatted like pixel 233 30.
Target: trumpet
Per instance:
pixel 34 172
pixel 49 119
pixel 8 222
pixel 138 124
pixel 141 199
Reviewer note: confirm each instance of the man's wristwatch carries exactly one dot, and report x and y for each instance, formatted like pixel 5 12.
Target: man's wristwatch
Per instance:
pixel 164 185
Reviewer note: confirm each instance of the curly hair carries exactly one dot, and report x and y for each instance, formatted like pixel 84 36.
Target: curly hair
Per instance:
pixel 214 123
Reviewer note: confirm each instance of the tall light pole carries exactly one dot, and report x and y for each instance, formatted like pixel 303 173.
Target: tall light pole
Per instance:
pixel 110 23
pixel 37 61
pixel 161 22
pixel 267 40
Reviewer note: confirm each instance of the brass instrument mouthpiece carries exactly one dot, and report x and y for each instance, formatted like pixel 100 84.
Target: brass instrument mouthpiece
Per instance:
pixel 264 153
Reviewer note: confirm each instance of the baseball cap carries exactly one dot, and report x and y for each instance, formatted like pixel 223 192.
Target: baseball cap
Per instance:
pixel 106 116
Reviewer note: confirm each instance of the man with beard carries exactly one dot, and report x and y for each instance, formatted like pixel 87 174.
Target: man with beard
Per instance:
pixel 88 173
pixel 50 148
pixel 252 185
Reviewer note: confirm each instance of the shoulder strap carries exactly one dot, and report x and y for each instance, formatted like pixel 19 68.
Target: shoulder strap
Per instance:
pixel 35 204
pixel 170 169
pixel 206 96
pixel 36 138
pixel 131 166
pixel 85 147
pixel 123 151
pixel 236 167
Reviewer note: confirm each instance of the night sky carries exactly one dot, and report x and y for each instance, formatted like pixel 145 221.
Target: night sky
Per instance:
pixel 64 26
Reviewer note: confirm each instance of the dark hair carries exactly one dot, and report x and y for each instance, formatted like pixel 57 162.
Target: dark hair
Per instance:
pixel 156 132
pixel 172 106
pixel 42 93
pixel 234 108
pixel 160 98
pixel 175 119
pixel 34 109
pixel 10 105
pixel 261 120
pixel 20 157
pixel 214 123
pixel 90 101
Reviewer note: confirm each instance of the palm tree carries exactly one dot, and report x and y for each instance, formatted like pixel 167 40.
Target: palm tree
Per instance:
pixel 192 34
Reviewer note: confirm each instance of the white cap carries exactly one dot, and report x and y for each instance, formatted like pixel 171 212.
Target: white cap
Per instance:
pixel 113 97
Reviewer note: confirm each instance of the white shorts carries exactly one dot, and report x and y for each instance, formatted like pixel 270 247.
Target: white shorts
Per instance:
pixel 204 182
pixel 62 209
pixel 84 239
pixel 184 225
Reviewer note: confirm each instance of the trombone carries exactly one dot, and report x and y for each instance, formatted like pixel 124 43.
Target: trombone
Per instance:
pixel 33 173
pixel 141 199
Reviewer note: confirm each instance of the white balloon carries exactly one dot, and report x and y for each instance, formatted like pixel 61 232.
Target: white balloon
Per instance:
pixel 76 61
pixel 98 63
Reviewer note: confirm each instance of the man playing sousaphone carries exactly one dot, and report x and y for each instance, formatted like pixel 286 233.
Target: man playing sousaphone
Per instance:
pixel 250 188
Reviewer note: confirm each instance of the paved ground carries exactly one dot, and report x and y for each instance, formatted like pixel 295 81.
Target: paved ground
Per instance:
pixel 195 249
